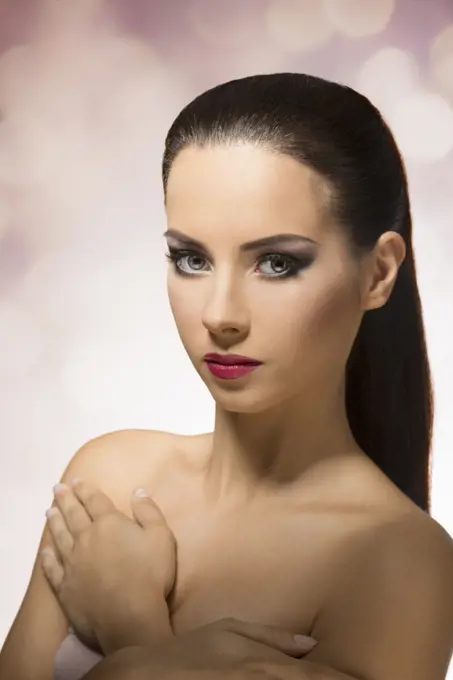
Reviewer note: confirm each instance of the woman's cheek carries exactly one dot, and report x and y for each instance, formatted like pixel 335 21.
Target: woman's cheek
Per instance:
pixel 187 317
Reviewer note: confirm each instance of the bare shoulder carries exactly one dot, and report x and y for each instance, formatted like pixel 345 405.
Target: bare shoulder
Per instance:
pixel 382 518
pixel 390 612
pixel 411 539
pixel 420 545
pixel 404 531
pixel 117 462
pixel 120 448
pixel 398 540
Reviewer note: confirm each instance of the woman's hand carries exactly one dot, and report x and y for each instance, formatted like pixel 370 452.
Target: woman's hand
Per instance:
pixel 110 574
pixel 225 650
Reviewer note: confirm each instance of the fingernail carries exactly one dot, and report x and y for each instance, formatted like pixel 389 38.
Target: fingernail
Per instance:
pixel 51 512
pixel 59 487
pixel 75 481
pixel 305 642
pixel 141 493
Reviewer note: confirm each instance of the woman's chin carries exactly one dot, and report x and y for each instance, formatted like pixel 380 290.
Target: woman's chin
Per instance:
pixel 244 401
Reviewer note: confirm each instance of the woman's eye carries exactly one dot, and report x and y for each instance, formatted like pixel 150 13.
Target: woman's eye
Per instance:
pixel 187 262
pixel 276 265
pixel 270 266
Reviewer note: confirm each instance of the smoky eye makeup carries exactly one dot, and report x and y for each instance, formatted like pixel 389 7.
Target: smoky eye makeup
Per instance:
pixel 283 265
pixel 186 262
pixel 273 265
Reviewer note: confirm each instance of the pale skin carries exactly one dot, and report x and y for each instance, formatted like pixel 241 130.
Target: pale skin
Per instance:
pixel 278 517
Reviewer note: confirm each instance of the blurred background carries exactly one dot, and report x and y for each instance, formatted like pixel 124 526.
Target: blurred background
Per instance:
pixel 88 90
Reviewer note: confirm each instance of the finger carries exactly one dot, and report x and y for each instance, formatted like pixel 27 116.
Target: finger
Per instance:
pixel 146 511
pixel 52 568
pixel 60 533
pixel 284 641
pixel 95 501
pixel 75 515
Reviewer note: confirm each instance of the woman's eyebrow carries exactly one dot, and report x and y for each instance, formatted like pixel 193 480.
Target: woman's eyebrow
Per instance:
pixel 274 240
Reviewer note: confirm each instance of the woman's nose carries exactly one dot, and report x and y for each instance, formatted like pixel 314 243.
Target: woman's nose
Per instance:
pixel 225 314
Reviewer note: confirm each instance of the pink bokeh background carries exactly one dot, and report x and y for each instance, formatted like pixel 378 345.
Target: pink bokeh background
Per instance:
pixel 87 92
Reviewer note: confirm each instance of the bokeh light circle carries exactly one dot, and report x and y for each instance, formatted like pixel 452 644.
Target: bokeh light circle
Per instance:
pixel 441 57
pixel 359 18
pixel 298 25
pixel 386 74
pixel 423 125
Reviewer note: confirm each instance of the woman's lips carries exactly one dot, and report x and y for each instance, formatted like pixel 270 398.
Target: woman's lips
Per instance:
pixel 230 366
pixel 232 371
pixel 230 359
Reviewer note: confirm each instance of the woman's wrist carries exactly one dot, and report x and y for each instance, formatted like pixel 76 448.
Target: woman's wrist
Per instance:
pixel 140 626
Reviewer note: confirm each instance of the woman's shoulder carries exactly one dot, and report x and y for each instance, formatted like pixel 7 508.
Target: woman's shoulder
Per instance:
pixel 118 462
pixel 389 534
pixel 387 610
pixel 375 518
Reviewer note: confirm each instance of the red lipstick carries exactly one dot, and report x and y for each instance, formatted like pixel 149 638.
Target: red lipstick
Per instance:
pixel 230 366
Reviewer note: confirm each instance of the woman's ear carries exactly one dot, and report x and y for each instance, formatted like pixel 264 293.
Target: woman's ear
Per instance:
pixel 381 270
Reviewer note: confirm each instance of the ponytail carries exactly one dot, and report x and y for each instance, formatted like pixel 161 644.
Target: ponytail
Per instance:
pixel 389 396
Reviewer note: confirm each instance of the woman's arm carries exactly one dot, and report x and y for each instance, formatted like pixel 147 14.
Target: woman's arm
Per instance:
pixel 388 617
pixel 40 625
pixel 37 632
pixel 100 567
pixel 225 649
pixel 142 629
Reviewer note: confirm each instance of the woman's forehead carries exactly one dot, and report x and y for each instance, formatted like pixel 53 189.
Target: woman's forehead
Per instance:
pixel 244 188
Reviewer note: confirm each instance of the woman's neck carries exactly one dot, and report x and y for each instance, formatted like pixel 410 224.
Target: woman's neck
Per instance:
pixel 277 451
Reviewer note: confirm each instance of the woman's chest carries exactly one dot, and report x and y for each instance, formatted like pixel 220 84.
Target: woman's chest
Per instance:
pixel 273 572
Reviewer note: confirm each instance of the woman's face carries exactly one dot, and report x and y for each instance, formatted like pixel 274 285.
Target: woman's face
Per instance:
pixel 293 303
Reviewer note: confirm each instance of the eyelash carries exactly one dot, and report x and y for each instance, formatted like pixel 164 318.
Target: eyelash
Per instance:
pixel 296 265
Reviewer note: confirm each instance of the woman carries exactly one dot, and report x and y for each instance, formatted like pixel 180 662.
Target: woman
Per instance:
pixel 306 509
